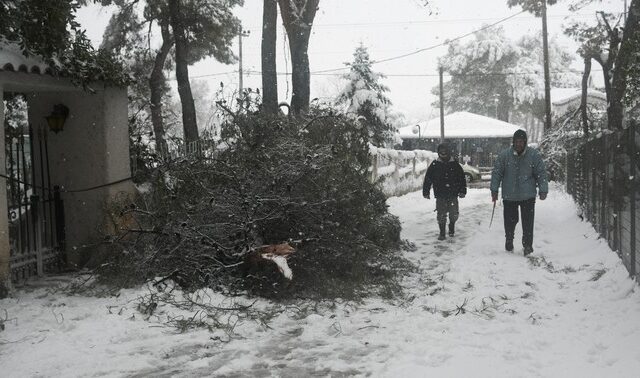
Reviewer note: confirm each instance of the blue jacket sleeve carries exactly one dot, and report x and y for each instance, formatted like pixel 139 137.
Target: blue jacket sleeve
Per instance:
pixel 540 174
pixel 497 173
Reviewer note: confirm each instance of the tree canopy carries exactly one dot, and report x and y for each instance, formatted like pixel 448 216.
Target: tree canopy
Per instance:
pixel 49 29
pixel 364 97
pixel 495 76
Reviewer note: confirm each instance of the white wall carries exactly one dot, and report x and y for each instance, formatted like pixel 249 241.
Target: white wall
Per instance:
pixel 93 149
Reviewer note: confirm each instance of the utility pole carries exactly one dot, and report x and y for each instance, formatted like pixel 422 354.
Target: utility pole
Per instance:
pixel 241 33
pixel 625 13
pixel 547 81
pixel 441 71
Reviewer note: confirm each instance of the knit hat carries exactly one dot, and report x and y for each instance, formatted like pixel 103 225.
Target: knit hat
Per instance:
pixel 443 146
pixel 520 134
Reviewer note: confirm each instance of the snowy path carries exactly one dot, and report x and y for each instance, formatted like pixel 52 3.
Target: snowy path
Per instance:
pixel 474 310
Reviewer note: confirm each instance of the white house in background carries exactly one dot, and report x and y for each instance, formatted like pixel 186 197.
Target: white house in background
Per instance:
pixel 91 150
pixel 564 100
pixel 470 134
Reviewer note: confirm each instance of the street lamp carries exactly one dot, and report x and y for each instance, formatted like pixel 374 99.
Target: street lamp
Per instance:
pixel 416 130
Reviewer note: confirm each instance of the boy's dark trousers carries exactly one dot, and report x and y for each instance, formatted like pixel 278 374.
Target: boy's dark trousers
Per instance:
pixel 446 206
pixel 527 212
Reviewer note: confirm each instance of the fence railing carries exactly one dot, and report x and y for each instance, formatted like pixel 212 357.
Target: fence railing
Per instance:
pixel 402 171
pixel 602 177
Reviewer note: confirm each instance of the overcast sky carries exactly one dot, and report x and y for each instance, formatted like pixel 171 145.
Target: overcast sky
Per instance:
pixel 388 28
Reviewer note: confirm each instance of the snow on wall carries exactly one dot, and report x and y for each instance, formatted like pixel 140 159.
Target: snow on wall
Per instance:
pixel 400 172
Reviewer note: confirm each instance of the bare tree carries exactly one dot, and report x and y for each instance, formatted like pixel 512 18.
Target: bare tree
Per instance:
pixel 297 16
pixel 156 86
pixel 182 72
pixel 626 57
pixel 269 74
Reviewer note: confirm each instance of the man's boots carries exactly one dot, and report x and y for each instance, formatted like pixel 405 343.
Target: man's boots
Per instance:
pixel 442 231
pixel 452 229
pixel 528 250
pixel 508 245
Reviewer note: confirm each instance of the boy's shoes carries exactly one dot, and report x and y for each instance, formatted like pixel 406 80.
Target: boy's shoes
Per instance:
pixel 508 245
pixel 452 229
pixel 528 250
pixel 442 227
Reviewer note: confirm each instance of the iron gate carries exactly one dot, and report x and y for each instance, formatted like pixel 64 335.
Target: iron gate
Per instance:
pixel 36 219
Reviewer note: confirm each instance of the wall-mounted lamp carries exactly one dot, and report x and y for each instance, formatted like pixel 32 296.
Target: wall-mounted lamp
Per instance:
pixel 57 118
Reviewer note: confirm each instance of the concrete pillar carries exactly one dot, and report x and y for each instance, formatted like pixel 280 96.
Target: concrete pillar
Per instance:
pixel 5 271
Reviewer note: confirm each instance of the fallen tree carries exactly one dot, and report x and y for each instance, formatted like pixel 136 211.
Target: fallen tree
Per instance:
pixel 275 188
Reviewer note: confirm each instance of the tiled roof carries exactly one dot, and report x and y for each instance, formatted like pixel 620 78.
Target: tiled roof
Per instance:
pixel 561 96
pixel 12 59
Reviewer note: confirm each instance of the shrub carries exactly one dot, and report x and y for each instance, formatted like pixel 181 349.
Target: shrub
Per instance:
pixel 271 180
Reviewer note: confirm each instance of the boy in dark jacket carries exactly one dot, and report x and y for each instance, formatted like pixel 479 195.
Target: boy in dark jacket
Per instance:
pixel 447 178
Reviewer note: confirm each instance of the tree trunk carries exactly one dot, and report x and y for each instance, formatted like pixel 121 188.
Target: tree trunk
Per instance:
pixel 583 99
pixel 624 59
pixel 300 76
pixel 189 123
pixel 297 17
pixel 269 75
pixel 548 122
pixel 156 86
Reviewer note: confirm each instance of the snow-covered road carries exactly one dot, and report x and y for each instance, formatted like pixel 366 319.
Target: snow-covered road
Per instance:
pixel 569 310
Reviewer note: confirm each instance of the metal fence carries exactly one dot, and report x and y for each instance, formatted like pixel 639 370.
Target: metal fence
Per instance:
pixel 602 176
pixel 35 209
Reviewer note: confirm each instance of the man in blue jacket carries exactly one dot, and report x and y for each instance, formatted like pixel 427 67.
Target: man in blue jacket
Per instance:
pixel 447 177
pixel 520 170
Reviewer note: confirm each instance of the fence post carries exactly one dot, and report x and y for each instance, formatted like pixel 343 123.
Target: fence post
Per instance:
pixel 60 227
pixel 374 167
pixel 632 197
pixel 397 161
pixel 566 172
pixel 414 165
pixel 37 233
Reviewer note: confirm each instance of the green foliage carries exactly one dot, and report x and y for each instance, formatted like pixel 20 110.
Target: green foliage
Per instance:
pixel 364 97
pixel 277 180
pixel 494 74
pixel 532 6
pixel 632 94
pixel 593 39
pixel 48 29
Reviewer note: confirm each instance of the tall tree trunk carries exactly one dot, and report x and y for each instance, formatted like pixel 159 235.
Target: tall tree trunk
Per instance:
pixel 269 75
pixel 548 122
pixel 297 16
pixel 606 76
pixel 300 76
pixel 624 59
pixel 156 86
pixel 583 99
pixel 189 123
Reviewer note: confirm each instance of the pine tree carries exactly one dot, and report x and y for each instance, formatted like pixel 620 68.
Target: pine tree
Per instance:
pixel 364 97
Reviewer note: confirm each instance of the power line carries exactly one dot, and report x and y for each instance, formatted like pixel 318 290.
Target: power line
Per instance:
pixel 208 75
pixel 429 47
pixel 436 75
pixel 450 20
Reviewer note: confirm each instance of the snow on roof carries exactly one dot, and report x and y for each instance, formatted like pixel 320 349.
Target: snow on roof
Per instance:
pixel 462 125
pixel 12 59
pixel 560 96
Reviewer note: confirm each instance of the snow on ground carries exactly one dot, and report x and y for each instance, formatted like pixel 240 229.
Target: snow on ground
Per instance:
pixel 569 310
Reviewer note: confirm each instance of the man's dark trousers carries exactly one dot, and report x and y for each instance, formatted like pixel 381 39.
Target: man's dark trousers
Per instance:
pixel 527 211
